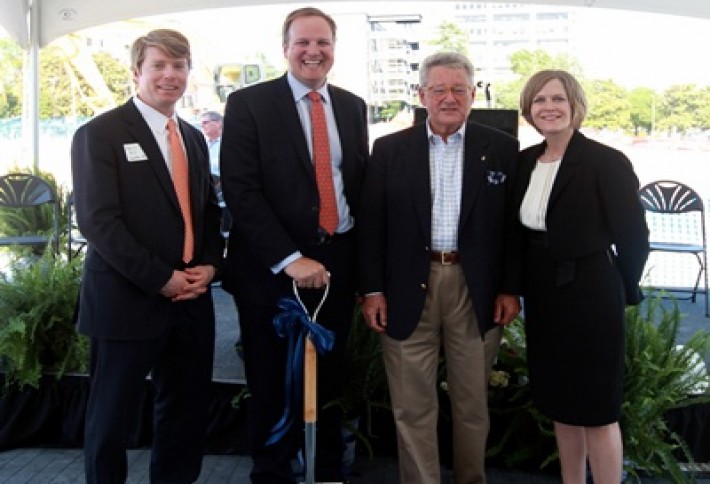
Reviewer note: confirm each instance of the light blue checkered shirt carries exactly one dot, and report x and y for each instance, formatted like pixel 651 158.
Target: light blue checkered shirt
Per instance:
pixel 446 168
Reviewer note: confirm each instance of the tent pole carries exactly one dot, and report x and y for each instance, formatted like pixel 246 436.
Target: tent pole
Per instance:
pixel 31 84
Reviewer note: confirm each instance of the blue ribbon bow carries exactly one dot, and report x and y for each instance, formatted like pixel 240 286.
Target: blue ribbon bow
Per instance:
pixel 294 323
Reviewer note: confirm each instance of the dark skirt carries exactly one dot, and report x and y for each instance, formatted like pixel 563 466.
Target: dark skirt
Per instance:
pixel 574 325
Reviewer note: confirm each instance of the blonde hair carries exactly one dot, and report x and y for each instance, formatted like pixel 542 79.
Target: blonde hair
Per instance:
pixel 574 91
pixel 169 41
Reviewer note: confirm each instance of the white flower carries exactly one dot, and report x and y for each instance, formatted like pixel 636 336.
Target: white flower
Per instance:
pixel 499 379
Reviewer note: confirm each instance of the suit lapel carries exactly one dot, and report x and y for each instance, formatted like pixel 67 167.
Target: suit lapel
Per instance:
pixel 287 116
pixel 144 136
pixel 474 169
pixel 568 167
pixel 415 166
pixel 525 169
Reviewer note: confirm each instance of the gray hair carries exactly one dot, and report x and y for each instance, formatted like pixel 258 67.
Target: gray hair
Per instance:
pixel 212 116
pixel 452 60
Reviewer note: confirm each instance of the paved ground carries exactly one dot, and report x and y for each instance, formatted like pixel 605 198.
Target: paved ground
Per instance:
pixel 66 466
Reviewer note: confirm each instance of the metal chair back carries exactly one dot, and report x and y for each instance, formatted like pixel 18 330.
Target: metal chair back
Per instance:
pixel 23 191
pixel 676 218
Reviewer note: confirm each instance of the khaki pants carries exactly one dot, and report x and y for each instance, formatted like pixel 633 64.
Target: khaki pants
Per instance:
pixel 448 318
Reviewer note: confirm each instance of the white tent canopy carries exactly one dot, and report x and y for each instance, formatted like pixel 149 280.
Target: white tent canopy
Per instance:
pixel 54 18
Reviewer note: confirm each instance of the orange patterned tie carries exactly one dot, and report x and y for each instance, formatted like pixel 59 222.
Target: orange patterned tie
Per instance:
pixel 182 187
pixel 328 219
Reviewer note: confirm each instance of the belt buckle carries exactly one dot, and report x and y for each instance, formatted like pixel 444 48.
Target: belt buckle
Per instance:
pixel 444 260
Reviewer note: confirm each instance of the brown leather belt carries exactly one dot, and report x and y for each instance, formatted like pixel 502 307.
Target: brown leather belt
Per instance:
pixel 445 258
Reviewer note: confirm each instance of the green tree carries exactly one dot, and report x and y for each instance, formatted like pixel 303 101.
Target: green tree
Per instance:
pixel 10 78
pixel 64 91
pixel 684 107
pixel 643 107
pixel 116 74
pixel 525 63
pixel 451 38
pixel 608 105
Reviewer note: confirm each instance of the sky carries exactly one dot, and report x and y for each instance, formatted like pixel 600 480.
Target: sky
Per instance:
pixel 634 49
pixel 642 49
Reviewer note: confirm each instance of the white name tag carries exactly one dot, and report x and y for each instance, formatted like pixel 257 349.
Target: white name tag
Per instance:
pixel 134 152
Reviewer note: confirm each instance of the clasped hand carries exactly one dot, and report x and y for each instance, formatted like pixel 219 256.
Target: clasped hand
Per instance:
pixel 189 283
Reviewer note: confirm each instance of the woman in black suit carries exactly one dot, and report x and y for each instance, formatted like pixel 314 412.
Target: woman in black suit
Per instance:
pixel 585 243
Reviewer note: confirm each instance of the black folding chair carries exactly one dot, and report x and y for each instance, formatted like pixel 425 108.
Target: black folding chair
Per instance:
pixel 676 218
pixel 22 197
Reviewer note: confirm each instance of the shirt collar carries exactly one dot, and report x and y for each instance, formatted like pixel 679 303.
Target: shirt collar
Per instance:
pixel 156 120
pixel 300 90
pixel 433 137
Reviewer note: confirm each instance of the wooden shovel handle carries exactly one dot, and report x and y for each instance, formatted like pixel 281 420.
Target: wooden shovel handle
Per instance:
pixel 310 373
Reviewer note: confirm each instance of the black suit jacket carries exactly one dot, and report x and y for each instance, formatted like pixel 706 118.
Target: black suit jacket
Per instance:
pixel 129 213
pixel 395 223
pixel 269 182
pixel 594 205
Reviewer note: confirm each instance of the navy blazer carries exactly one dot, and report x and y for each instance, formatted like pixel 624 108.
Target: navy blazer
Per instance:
pixel 395 223
pixel 127 209
pixel 594 205
pixel 269 183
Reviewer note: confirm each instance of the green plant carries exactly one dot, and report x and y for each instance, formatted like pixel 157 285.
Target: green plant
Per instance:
pixel 37 334
pixel 660 376
pixel 365 380
pixel 520 435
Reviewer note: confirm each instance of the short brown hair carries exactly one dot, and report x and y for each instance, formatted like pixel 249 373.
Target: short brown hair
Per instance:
pixel 305 12
pixel 169 41
pixel 574 91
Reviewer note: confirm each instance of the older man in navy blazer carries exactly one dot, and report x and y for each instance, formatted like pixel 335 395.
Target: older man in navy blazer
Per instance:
pixel 434 209
pixel 269 185
pixel 145 298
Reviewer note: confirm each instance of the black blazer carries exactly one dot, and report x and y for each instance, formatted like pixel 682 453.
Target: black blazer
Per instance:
pixel 594 204
pixel 269 182
pixel 129 213
pixel 395 223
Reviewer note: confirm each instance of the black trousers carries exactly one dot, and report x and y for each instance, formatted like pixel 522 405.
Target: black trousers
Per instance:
pixel 180 363
pixel 265 356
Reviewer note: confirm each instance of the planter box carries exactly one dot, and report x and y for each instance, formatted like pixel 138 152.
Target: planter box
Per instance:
pixel 53 416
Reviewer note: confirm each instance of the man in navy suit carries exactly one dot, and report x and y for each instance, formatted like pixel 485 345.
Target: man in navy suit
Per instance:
pixel 269 185
pixel 145 297
pixel 434 208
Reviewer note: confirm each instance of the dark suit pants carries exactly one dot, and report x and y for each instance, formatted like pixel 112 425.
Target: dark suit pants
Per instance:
pixel 265 363
pixel 180 361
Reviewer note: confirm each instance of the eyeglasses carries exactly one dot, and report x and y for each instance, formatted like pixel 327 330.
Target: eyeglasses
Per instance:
pixel 440 92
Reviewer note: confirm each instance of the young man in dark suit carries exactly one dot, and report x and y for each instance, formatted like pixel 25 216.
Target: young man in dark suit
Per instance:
pixel 434 208
pixel 278 235
pixel 153 248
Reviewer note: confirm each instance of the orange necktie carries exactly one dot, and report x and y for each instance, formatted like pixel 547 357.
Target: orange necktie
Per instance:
pixel 182 187
pixel 328 218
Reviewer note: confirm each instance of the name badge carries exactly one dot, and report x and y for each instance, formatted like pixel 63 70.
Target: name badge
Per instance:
pixel 134 152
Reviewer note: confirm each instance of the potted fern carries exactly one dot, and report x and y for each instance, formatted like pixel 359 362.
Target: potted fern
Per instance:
pixel 661 375
pixel 37 334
